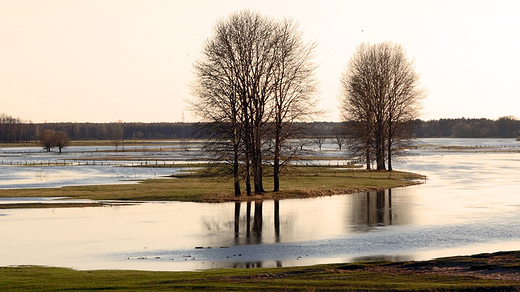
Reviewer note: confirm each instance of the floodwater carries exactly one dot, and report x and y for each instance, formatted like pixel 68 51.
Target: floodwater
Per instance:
pixel 31 167
pixel 469 204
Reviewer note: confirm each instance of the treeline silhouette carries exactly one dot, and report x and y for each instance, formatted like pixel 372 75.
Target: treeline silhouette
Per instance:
pixel 14 130
pixel 504 127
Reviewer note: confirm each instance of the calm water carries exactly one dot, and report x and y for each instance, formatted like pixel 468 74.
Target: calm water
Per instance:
pixel 470 204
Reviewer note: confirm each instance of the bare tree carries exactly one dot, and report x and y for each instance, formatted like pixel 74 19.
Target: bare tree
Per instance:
pixel 46 139
pixel 117 134
pixel 340 135
pixel 380 94
pixel 222 88
pixel 253 70
pixel 61 140
pixel 319 140
pixel 403 97
pixel 295 90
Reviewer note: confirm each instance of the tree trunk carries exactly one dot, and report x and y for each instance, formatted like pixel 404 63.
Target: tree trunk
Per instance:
pixel 236 157
pixel 257 159
pixel 247 142
pixel 276 162
pixel 368 157
pixel 390 146
pixel 236 174
pixel 380 150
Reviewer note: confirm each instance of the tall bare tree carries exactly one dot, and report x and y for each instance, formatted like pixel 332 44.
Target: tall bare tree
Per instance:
pixel 232 87
pixel 380 95
pixel 295 90
pixel 249 78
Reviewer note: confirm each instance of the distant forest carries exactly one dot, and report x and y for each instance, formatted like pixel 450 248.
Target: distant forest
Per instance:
pixel 14 130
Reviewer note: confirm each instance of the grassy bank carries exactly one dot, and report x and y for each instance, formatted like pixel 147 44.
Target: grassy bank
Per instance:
pixel 299 182
pixel 485 272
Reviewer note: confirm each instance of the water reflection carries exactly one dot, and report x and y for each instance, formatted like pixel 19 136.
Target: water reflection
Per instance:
pixel 270 222
pixel 375 209
pixel 253 232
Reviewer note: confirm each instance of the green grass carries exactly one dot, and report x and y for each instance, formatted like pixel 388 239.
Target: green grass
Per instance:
pixel 358 277
pixel 298 182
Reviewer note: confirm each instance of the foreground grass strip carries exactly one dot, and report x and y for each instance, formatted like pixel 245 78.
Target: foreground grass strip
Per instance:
pixel 300 182
pixel 448 274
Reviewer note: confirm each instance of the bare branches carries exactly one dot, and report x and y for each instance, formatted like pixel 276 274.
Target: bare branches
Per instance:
pixel 380 94
pixel 254 80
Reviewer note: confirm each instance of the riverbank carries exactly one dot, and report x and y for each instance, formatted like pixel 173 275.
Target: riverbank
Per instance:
pixel 483 272
pixel 299 182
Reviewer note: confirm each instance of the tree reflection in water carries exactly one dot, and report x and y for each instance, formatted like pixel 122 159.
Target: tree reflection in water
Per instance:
pixel 254 234
pixel 375 209
pixel 262 222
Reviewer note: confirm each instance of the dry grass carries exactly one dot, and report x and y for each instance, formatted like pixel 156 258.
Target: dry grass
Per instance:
pixel 298 182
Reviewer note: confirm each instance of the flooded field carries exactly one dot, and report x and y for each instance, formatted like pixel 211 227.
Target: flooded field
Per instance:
pixel 469 204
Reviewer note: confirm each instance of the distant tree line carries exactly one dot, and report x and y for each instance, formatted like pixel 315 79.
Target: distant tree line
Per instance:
pixel 504 127
pixel 14 130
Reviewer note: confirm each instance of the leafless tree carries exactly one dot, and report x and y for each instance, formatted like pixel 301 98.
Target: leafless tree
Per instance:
pixel 295 90
pixel 340 135
pixel 252 70
pixel 319 140
pixel 46 139
pixel 380 94
pixel 61 140
pixel 221 89
pixel 117 134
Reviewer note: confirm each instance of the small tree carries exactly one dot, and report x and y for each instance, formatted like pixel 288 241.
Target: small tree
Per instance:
pixel 319 141
pixel 117 133
pixel 340 136
pixel 47 139
pixel 61 140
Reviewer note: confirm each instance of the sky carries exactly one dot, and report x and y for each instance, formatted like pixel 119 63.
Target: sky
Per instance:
pixel 132 60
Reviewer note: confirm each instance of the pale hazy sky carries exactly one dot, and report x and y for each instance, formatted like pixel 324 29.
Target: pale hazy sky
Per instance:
pixel 103 61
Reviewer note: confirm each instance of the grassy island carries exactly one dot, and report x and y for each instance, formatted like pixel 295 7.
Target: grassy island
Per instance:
pixel 199 186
